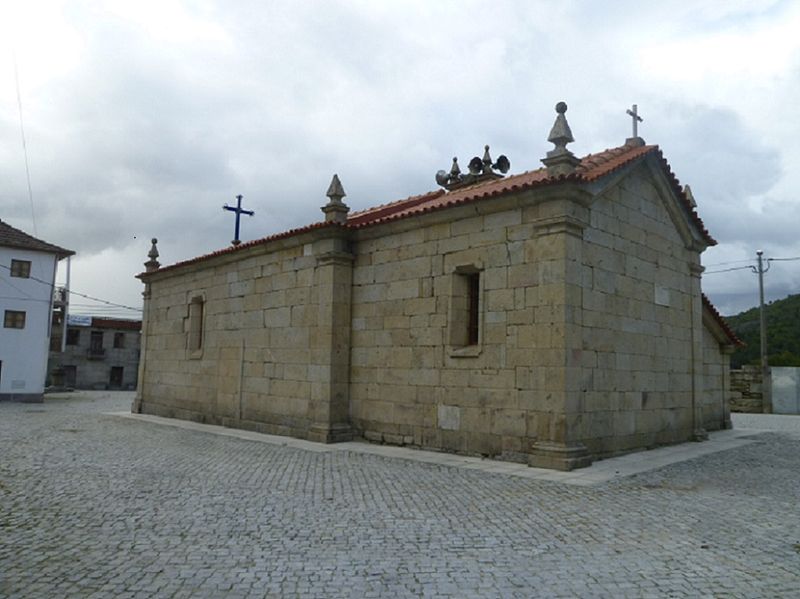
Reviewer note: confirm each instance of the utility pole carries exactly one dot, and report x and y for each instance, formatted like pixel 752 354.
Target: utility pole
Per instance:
pixel 766 380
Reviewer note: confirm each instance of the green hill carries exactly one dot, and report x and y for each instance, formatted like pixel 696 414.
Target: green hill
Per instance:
pixel 783 334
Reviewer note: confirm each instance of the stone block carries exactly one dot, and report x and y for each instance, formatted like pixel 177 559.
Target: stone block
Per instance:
pixel 397 290
pixel 506 422
pixel 448 417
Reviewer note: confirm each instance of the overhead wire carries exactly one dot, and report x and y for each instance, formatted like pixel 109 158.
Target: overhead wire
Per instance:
pixel 713 272
pixel 83 295
pixel 24 142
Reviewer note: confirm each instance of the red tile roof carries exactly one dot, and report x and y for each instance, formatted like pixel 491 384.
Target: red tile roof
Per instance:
pixel 11 237
pixel 591 168
pixel 723 324
pixel 116 323
pixel 247 244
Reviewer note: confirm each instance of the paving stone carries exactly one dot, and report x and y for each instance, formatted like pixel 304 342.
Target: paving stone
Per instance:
pixel 123 508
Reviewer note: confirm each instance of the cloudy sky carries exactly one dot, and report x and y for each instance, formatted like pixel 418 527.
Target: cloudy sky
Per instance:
pixel 143 118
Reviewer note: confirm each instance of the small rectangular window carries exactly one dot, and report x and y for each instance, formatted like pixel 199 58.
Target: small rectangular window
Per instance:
pixel 119 340
pixel 21 268
pixel 14 319
pixel 473 306
pixel 465 309
pixel 96 340
pixel 195 339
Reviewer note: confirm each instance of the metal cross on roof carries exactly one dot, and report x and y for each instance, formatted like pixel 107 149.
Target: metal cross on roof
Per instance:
pixel 239 211
pixel 634 114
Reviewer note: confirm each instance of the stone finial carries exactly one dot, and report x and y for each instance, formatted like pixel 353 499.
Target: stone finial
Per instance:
pixel 487 159
pixel 335 210
pixel 152 264
pixel 689 195
pixel 479 169
pixel 560 134
pixel 559 160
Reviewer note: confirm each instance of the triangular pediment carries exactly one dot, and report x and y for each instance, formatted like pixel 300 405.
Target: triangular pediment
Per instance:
pixel 653 167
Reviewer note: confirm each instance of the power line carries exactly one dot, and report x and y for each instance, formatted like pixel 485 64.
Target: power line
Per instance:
pixel 713 272
pixel 24 144
pixel 71 292
pixel 102 301
pixel 727 263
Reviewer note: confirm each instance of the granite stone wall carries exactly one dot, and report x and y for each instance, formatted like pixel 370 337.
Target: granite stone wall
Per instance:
pixel 590 333
pixel 255 367
pixel 746 390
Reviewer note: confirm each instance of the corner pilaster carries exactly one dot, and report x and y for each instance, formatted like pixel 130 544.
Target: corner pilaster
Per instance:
pixel 699 432
pixel 329 408
pixel 559 241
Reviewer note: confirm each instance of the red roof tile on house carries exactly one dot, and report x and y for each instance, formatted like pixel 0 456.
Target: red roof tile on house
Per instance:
pixel 116 323
pixel 11 237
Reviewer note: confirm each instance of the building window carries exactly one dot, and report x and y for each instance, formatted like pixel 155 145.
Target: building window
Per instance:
pixel 14 319
pixel 195 339
pixel 473 304
pixel 21 268
pixel 119 340
pixel 73 336
pixel 96 341
pixel 465 308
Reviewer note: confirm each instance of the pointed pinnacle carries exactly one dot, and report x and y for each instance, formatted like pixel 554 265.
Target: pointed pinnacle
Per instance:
pixel 153 253
pixel 560 134
pixel 335 190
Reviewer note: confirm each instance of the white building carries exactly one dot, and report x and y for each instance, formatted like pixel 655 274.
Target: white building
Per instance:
pixel 27 274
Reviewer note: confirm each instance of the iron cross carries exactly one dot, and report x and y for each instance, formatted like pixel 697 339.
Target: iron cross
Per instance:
pixel 636 119
pixel 239 211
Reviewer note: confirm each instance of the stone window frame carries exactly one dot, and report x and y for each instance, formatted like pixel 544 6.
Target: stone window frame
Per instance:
pixel 20 268
pixel 195 325
pixel 466 311
pixel 14 319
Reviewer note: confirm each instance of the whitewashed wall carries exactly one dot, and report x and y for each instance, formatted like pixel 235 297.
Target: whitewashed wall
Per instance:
pixel 23 352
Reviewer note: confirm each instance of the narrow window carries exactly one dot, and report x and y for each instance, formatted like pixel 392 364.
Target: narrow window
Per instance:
pixel 465 308
pixel 473 304
pixel 119 340
pixel 21 268
pixel 195 341
pixel 14 319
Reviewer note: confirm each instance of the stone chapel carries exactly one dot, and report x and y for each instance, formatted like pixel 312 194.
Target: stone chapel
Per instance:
pixel 552 317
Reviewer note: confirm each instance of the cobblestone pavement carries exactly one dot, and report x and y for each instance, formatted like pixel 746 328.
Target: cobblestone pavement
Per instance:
pixel 93 505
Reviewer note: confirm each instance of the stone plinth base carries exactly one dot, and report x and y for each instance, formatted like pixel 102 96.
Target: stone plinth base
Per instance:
pixel 699 434
pixel 335 433
pixel 559 456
